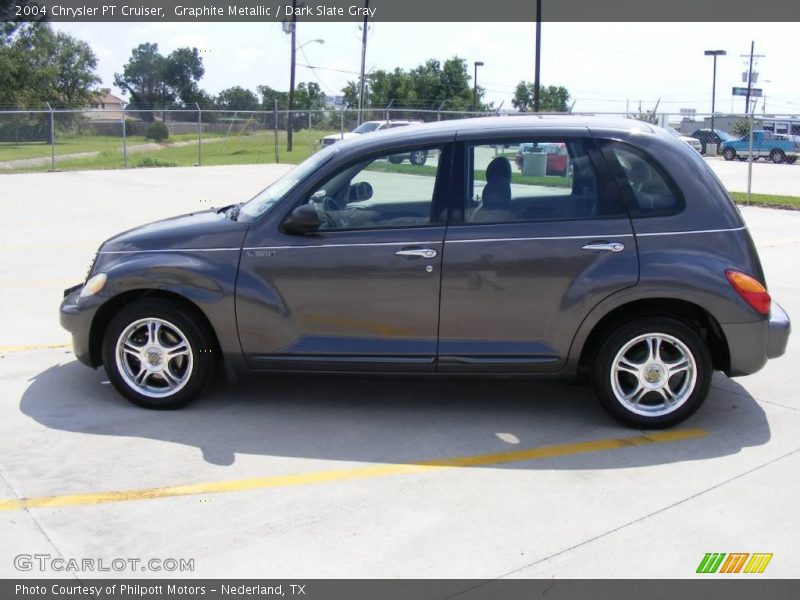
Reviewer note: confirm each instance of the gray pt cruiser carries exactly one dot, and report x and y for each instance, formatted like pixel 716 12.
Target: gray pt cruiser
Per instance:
pixel 632 270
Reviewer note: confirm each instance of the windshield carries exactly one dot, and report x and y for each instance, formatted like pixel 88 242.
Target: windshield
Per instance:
pixel 366 127
pixel 725 137
pixel 674 132
pixel 262 202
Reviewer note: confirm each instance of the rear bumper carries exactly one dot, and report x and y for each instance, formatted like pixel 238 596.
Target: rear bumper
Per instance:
pixel 778 333
pixel 750 345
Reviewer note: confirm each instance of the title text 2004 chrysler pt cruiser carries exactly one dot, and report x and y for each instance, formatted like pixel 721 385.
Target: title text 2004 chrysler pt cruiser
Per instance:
pixel 633 269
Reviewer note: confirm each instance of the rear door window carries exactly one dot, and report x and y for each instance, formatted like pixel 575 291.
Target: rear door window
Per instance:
pixel 535 180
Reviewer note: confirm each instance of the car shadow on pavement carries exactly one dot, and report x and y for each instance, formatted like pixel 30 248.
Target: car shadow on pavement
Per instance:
pixel 387 419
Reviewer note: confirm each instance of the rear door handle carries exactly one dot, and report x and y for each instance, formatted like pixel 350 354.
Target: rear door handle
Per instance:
pixel 417 252
pixel 604 247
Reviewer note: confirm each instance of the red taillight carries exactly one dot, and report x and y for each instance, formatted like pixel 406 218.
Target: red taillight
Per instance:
pixel 751 290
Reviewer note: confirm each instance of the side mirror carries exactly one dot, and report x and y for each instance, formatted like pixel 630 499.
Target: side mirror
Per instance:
pixel 304 219
pixel 360 191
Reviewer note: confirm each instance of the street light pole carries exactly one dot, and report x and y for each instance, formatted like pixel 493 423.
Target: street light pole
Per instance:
pixel 478 63
pixel 715 54
pixel 536 81
pixel 750 76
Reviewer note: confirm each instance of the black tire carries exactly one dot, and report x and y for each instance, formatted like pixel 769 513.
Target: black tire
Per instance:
pixel 604 366
pixel 777 156
pixel 418 157
pixel 172 317
pixel 395 160
pixel 729 154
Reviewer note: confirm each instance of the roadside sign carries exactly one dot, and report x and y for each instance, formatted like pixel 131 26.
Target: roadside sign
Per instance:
pixel 742 91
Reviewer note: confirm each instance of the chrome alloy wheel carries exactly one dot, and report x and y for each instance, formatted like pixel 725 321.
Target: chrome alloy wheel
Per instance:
pixel 653 374
pixel 154 357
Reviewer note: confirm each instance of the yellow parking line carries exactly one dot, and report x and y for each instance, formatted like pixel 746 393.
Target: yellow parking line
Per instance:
pixel 28 347
pixel 276 481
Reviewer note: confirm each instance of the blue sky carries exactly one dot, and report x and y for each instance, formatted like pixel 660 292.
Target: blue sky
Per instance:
pixel 604 65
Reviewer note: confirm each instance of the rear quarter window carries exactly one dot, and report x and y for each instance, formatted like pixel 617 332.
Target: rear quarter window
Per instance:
pixel 650 191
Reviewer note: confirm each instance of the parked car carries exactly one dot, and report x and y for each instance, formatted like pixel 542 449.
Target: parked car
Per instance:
pixel 636 273
pixel 711 136
pixel 692 142
pixel 777 148
pixel 556 156
pixel 415 158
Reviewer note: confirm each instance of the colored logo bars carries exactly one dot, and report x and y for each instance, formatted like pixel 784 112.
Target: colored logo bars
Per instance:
pixel 735 562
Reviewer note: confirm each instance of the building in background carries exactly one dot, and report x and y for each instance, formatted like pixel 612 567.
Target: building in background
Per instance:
pixel 110 108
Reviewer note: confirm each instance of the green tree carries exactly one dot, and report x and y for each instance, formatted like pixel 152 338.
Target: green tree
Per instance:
pixel 38 65
pixel 551 98
pixel 741 128
pixel 269 95
pixel 237 98
pixel 430 86
pixel 155 81
pixel 183 70
pixel 309 96
pixel 350 94
pixel 144 79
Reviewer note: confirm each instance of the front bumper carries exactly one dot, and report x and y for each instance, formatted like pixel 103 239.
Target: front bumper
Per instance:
pixel 76 316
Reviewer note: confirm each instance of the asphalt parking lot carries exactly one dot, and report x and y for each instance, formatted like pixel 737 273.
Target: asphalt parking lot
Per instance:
pixel 339 477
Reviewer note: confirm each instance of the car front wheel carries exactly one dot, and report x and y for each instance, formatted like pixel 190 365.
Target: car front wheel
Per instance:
pixel 156 355
pixel 652 372
pixel 418 157
pixel 729 154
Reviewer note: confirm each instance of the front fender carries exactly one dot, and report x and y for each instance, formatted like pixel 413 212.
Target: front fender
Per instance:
pixel 207 279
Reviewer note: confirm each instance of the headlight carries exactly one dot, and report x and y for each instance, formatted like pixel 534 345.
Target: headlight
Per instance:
pixel 94 285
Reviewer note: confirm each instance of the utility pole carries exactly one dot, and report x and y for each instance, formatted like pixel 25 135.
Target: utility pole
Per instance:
pixel 536 81
pixel 715 54
pixel 750 81
pixel 291 79
pixel 363 61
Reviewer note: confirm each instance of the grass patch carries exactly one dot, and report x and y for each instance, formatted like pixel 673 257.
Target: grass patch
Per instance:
pixel 769 200
pixel 151 161
pixel 85 143
pixel 257 148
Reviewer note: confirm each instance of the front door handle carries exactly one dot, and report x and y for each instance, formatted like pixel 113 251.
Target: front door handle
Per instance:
pixel 417 252
pixel 604 246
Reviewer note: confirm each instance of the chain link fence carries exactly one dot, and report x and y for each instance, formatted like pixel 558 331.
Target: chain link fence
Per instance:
pixel 49 140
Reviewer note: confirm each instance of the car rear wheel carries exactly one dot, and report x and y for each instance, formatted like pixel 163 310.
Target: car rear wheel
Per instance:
pixel 652 372
pixel 418 157
pixel 156 355
pixel 729 154
pixel 777 156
